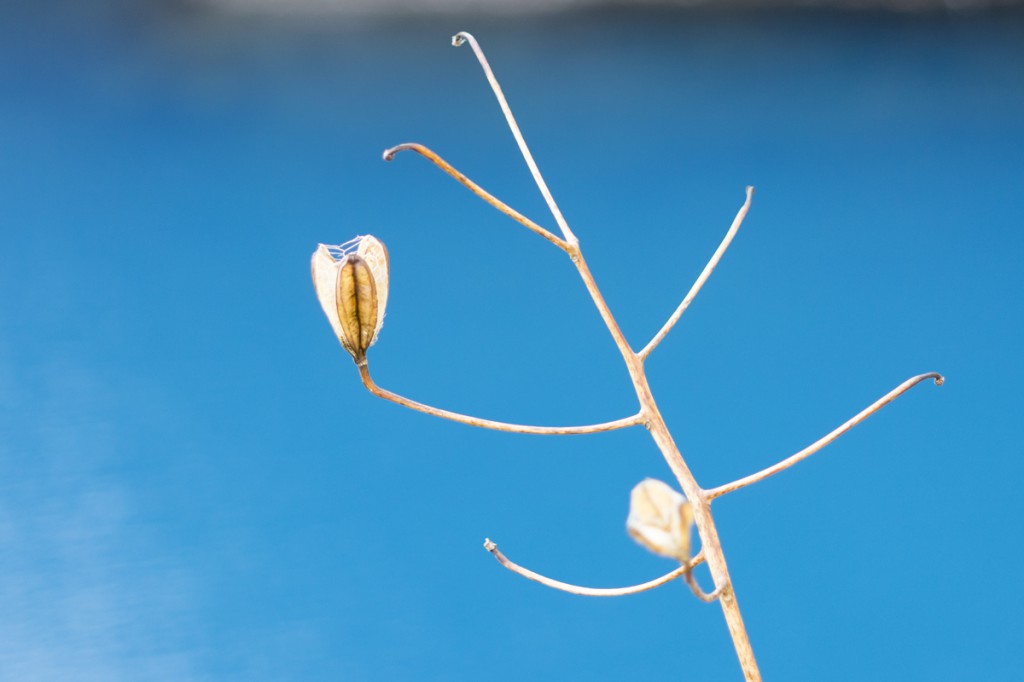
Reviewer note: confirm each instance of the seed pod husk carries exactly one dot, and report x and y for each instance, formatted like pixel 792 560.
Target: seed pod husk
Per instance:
pixel 660 519
pixel 375 254
pixel 351 282
pixel 356 299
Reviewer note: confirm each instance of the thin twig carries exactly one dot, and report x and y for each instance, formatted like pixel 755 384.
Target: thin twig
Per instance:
pixel 688 299
pixel 819 444
pixel 633 363
pixel 691 580
pixel 462 37
pixel 476 189
pixel 364 373
pixel 592 591
pixel 577 257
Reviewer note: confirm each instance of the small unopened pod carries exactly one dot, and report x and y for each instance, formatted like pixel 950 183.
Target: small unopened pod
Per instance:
pixel 660 519
pixel 351 281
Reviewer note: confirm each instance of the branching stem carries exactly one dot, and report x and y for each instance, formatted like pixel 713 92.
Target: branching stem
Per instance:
pixel 692 294
pixel 655 423
pixel 682 571
pixel 476 189
pixel 822 442
pixel 364 373
pixel 649 414
pixel 464 37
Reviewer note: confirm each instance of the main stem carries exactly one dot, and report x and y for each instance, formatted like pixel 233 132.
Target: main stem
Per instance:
pixel 701 504
pixel 635 364
pixel 705 526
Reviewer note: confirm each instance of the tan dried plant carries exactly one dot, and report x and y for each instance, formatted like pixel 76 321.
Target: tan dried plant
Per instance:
pixel 351 282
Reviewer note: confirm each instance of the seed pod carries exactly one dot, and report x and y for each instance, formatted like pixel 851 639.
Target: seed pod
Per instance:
pixel 351 282
pixel 376 256
pixel 660 519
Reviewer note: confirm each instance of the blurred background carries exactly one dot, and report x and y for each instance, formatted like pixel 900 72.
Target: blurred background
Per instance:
pixel 194 485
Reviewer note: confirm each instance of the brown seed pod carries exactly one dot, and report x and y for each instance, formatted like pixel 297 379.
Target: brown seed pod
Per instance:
pixel 351 282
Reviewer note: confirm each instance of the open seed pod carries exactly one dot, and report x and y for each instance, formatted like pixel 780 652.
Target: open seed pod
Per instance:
pixel 660 519
pixel 351 282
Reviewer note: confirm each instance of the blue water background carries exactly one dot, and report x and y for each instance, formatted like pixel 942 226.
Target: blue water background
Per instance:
pixel 194 486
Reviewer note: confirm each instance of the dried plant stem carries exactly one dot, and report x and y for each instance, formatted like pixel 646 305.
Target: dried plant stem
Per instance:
pixel 713 553
pixel 464 37
pixel 364 373
pixel 822 442
pixel 649 414
pixel 692 294
pixel 476 189
pixel 691 580
pixel 682 571
pixel 655 423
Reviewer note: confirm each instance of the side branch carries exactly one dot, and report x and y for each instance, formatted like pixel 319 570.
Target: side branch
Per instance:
pixel 737 221
pixel 699 593
pixel 571 243
pixel 464 37
pixel 476 189
pixel 819 444
pixel 592 591
pixel 364 373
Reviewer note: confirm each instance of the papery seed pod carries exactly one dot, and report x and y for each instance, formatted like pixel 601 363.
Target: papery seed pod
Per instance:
pixel 376 256
pixel 660 519
pixel 351 282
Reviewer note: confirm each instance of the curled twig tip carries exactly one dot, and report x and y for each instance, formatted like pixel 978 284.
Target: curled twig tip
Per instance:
pixel 459 38
pixel 750 190
pixel 939 379
pixel 490 546
pixel 389 153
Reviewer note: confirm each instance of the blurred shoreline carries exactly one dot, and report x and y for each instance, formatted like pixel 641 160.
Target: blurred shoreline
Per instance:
pixel 526 8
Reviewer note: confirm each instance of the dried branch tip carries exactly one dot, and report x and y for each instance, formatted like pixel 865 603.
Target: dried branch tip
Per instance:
pixel 351 282
pixel 660 519
pixel 389 154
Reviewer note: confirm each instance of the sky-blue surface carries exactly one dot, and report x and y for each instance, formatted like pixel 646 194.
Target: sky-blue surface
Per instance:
pixel 195 486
